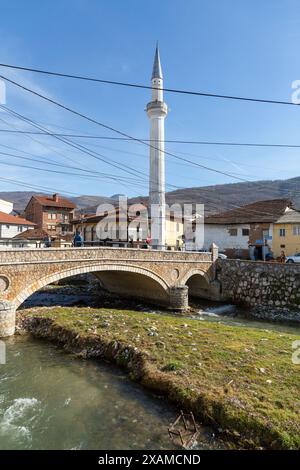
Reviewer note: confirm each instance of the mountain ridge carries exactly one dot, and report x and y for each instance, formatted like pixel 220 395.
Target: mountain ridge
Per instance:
pixel 216 198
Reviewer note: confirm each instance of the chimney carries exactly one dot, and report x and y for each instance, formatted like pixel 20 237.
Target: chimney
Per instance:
pixel 55 197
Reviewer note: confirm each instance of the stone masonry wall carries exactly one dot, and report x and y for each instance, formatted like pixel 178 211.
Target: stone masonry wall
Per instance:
pixel 24 271
pixel 271 289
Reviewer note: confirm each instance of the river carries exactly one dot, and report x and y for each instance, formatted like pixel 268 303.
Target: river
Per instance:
pixel 52 400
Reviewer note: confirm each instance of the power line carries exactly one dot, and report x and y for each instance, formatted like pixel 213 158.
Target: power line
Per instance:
pixel 34 186
pixel 123 134
pixel 192 142
pixel 22 132
pixel 147 87
pixel 79 147
pixel 91 174
pixel 84 149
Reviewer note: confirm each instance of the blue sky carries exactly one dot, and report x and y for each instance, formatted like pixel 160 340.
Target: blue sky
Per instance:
pixel 247 48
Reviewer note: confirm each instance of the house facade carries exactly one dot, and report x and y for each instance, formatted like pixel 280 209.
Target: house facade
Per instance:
pixel 241 232
pixel 6 206
pixel 53 214
pixel 232 239
pixel 286 233
pixel 137 231
pixel 10 226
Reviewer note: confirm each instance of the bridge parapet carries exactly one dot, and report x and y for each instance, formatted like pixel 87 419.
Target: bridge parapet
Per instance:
pixel 90 253
pixel 143 273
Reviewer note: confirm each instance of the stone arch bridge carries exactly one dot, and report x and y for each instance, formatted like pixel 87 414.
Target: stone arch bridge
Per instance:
pixel 161 277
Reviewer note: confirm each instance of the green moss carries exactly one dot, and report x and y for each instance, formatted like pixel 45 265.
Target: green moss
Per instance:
pixel 171 366
pixel 238 378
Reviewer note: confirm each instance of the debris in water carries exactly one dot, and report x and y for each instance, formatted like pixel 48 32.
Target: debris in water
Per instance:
pixel 184 428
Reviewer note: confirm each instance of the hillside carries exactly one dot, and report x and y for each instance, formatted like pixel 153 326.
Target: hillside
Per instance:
pixel 21 198
pixel 216 198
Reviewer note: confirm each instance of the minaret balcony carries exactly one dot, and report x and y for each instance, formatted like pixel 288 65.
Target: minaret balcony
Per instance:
pixel 157 108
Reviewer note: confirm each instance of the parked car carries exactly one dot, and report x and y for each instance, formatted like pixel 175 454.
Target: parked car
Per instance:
pixel 293 259
pixel 222 256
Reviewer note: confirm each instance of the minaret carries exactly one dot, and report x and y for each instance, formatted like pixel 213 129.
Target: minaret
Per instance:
pixel 157 110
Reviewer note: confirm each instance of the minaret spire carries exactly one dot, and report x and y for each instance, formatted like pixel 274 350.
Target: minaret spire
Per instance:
pixel 157 71
pixel 157 110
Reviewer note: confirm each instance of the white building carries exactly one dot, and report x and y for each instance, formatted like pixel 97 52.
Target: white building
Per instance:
pixel 10 226
pixel 227 236
pixel 6 206
pixel 242 231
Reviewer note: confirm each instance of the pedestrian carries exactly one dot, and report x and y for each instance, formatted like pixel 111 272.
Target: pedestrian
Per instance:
pixel 47 241
pixel 282 257
pixel 78 240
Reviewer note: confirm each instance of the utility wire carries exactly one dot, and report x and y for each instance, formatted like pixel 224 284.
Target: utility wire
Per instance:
pixel 34 186
pixel 94 121
pixel 133 138
pixel 147 87
pixel 192 142
pixel 123 134
pixel 90 174
pixel 84 149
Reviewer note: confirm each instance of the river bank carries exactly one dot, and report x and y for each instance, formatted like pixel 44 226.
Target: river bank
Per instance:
pixel 50 400
pixel 240 380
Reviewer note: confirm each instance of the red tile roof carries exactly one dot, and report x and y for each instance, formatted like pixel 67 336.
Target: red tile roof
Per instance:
pixel 13 220
pixel 262 211
pixel 32 234
pixel 51 202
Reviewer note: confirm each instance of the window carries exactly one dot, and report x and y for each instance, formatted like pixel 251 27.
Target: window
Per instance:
pixel 233 232
pixel 245 232
pixel 282 232
pixel 296 230
pixel 51 216
pixel 265 234
pixel 19 228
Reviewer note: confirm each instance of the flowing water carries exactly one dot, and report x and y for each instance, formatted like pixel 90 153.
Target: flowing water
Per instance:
pixel 51 400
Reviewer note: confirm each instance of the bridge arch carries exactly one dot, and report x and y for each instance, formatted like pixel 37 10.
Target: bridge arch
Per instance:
pixel 199 284
pixel 147 284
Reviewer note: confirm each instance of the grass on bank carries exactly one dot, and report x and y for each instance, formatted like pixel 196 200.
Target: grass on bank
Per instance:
pixel 240 379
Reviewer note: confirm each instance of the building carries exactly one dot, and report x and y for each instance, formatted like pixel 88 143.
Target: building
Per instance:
pixel 31 238
pixel 157 111
pixel 238 232
pixel 286 233
pixel 6 206
pixel 10 226
pixel 137 228
pixel 53 214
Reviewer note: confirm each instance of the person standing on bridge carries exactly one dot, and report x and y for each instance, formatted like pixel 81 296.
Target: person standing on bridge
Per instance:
pixel 78 240
pixel 47 241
